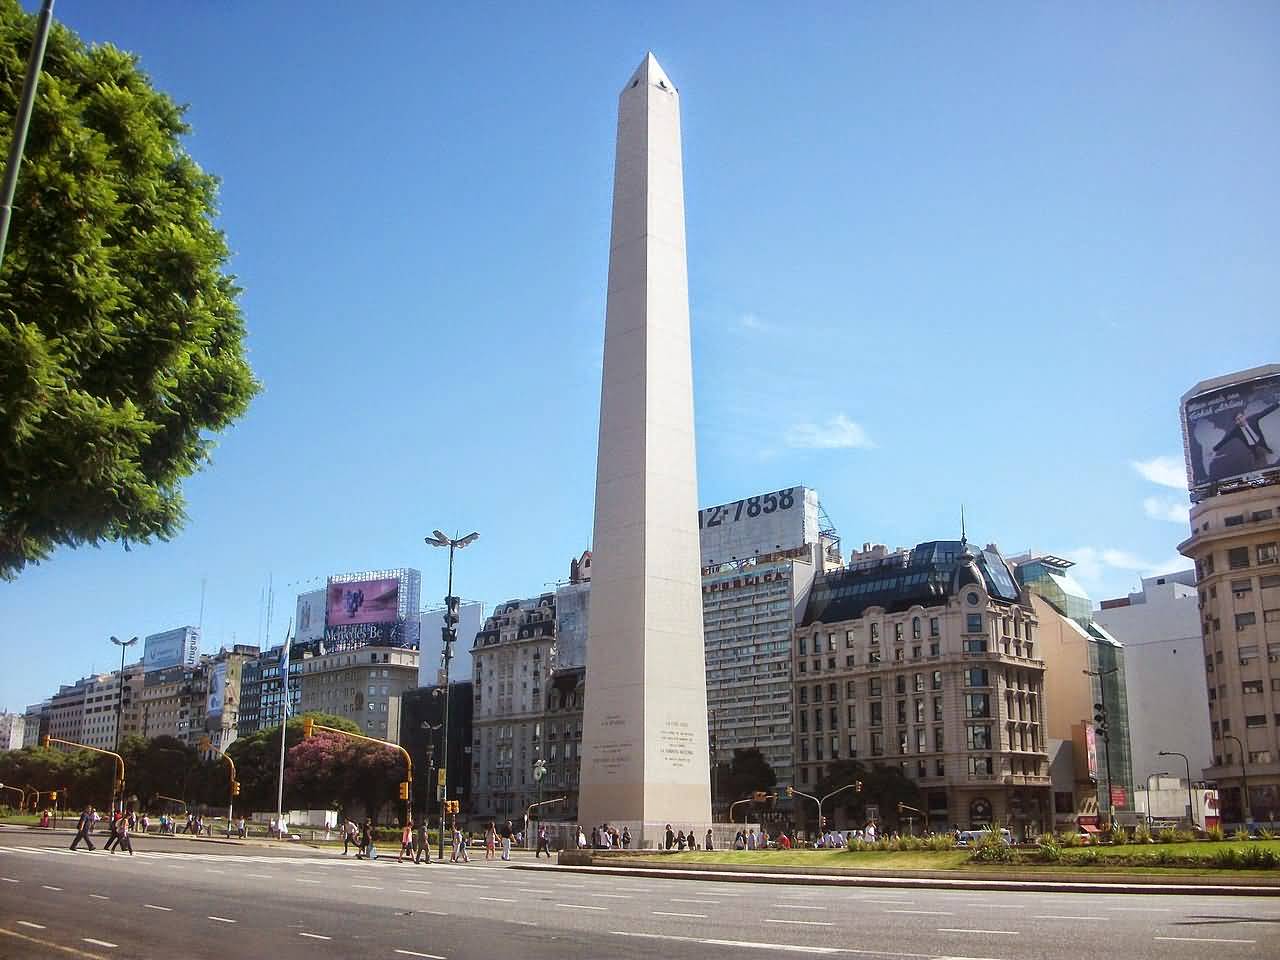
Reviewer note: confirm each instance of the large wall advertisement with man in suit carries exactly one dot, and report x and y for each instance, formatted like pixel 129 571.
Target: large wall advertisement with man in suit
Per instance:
pixel 1230 432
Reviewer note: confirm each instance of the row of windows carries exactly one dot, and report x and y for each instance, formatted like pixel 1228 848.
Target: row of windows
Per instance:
pixel 1238 558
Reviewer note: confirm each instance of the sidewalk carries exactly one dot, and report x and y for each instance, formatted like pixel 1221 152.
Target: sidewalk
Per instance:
pixel 1200 885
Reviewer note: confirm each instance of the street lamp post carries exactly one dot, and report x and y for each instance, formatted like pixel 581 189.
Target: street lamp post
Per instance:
pixel 715 760
pixel 1191 807
pixel 449 634
pixel 1244 778
pixel 123 645
pixel 1100 720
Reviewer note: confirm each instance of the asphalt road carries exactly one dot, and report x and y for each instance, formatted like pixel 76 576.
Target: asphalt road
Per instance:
pixel 176 901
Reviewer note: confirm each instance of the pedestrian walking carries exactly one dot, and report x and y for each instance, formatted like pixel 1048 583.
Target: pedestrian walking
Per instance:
pixel 582 838
pixel 406 841
pixel 670 838
pixel 83 827
pixel 114 829
pixel 459 846
pixel 626 838
pixel 423 843
pixel 708 843
pixel 507 832
pixel 350 837
pixel 490 841
pixel 122 836
pixel 366 841
pixel 544 843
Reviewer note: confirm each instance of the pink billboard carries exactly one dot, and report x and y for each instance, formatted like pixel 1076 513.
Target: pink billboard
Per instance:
pixel 362 601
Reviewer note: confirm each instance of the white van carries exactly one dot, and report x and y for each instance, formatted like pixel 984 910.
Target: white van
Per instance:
pixel 971 838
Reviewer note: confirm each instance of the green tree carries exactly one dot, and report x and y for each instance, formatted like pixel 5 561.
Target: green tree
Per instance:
pixel 257 758
pixel 748 771
pixel 882 785
pixel 121 341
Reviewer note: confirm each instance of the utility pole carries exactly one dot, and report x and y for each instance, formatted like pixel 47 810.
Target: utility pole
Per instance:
pixel 1191 807
pixel 1244 778
pixel 22 121
pixel 1103 726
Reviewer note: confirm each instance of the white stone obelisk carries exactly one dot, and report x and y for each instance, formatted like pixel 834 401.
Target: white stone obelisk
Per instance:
pixel 644 760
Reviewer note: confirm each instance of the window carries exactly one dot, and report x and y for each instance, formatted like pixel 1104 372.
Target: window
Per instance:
pixel 916 652
pixel 853 745
pixel 804 750
pixel 915 628
pixel 849 688
pixel 1241 586
pixel 873 686
pixel 1271 616
pixel 1233 521
pixel 848 638
pixel 977 677
pixel 875 633
pixel 973 623
pixel 873 656
pixel 853 715
pixel 1259 756
pixel 900 684
pixel 978 736
pixel 977 705
pixel 817 693
pixel 919 711
pixel 901 711
pixel 817 722
pixel 804 721
pixel 831 643
pixel 1259 515
pixel 1238 558
pixel 936 682
pixel 917 683
pixel 817 749
pixel 804 646
pixel 922 742
pixel 1267 553
pixel 804 666
pixel 933 626
pixel 877 744
pixel 937 739
pixel 902 742
pixel 980 767
pixel 876 714
pixel 804 694
pixel 937 708
pixel 831 691
pixel 1256 720
pixel 1269 581
pixel 939 768
pixel 1245 620
pixel 1251 686
pixel 848 661
pixel 975 644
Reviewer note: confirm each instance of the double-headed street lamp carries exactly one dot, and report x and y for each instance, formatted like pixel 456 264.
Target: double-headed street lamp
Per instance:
pixel 1103 726
pixel 1191 807
pixel 449 634
pixel 1244 778
pixel 123 645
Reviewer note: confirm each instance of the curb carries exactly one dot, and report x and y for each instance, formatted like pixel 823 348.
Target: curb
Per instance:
pixel 1073 884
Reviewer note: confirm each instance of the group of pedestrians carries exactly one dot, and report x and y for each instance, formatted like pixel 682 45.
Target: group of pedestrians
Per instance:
pixel 121 824
pixel 493 835
pixel 605 837
pixel 679 840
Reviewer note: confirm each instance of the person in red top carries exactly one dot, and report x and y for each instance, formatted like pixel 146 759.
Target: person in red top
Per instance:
pixel 784 841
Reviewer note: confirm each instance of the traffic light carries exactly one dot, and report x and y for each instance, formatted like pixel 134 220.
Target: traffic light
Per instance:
pixel 235 788
pixel 308 727
pixel 451 806
pixel 791 791
pixel 53 796
pixel 452 610
pixel 857 786
pixel 1100 718
pixel 759 796
pixel 404 789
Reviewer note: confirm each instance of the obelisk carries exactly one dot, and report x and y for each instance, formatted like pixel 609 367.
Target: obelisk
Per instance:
pixel 644 759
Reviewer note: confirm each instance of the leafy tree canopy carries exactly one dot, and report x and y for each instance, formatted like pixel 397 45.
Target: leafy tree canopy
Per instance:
pixel 121 341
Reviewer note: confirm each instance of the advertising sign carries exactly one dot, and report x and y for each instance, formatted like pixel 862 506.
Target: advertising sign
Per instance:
pixel 217 688
pixel 362 601
pixel 170 648
pixel 1230 432
pixel 1119 797
pixel 760 525
pixel 309 618
pixel 1091 750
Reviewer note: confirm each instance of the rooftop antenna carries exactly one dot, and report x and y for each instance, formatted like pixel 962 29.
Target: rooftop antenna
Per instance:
pixel 963 537
pixel 203 582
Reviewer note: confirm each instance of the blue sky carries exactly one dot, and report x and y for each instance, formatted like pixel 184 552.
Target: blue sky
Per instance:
pixel 938 255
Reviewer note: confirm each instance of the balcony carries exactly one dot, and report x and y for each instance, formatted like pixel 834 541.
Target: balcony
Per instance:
pixel 1026 779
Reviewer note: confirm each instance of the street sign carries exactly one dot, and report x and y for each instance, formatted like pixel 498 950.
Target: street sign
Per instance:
pixel 441 779
pixel 873 811
pixel 539 769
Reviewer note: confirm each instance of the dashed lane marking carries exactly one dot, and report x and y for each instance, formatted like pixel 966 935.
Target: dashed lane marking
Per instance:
pixel 223 919
pixel 364 886
pixel 10 880
pixel 1059 916
pixel 927 913
pixel 691 916
pixel 99 896
pixel 804 923
pixel 498 899
pixel 607 896
pixel 415 953
pixel 580 906
pixel 33 926
pixel 1002 933
pixel 749 944
pixel 314 936
pixel 99 943
pixel 152 906
pixel 1204 940
pixel 46 886
pixel 52 946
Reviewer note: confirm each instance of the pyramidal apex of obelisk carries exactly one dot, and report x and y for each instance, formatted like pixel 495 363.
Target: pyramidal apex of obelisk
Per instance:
pixel 644 761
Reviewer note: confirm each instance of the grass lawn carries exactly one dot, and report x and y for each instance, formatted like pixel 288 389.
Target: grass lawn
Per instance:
pixel 1120 858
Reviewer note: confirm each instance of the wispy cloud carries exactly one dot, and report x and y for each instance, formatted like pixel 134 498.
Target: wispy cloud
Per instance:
pixel 837 433
pixel 1166 471
pixel 1095 566
pixel 1166 508
pixel 751 323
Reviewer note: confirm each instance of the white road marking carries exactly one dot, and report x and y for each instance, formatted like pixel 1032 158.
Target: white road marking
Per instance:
pixel 896 903
pixel 10 880
pixel 222 919
pixel 314 936
pixel 425 893
pixel 773 947
pixel 99 943
pixel 258 876
pixel 580 906
pixel 691 916
pixel 473 886
pixel 33 926
pixel 683 900
pixel 619 896
pixel 1142 909
pixel 364 886
pixel 806 923
pixel 1005 933
pixel 1205 940
pixel 526 923
pixel 152 906
pixel 415 953
pixel 436 913
pixel 99 896
pixel 498 899
pixel 930 913
pixel 211 870
pixel 1058 916
pixel 47 887
pixel 305 880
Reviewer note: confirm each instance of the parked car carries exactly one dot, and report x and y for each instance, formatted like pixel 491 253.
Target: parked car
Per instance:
pixel 969 838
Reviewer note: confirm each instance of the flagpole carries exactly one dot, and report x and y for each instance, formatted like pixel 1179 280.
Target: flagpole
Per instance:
pixel 284 723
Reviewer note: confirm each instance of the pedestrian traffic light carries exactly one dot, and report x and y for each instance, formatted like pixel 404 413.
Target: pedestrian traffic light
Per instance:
pixel 404 789
pixel 235 788
pixel 308 727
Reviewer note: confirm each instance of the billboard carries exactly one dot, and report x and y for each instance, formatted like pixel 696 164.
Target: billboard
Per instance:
pixel 1231 430
pixel 766 523
pixel 170 648
pixel 309 618
pixel 217 690
pixel 470 620
pixel 1091 750
pixel 362 601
